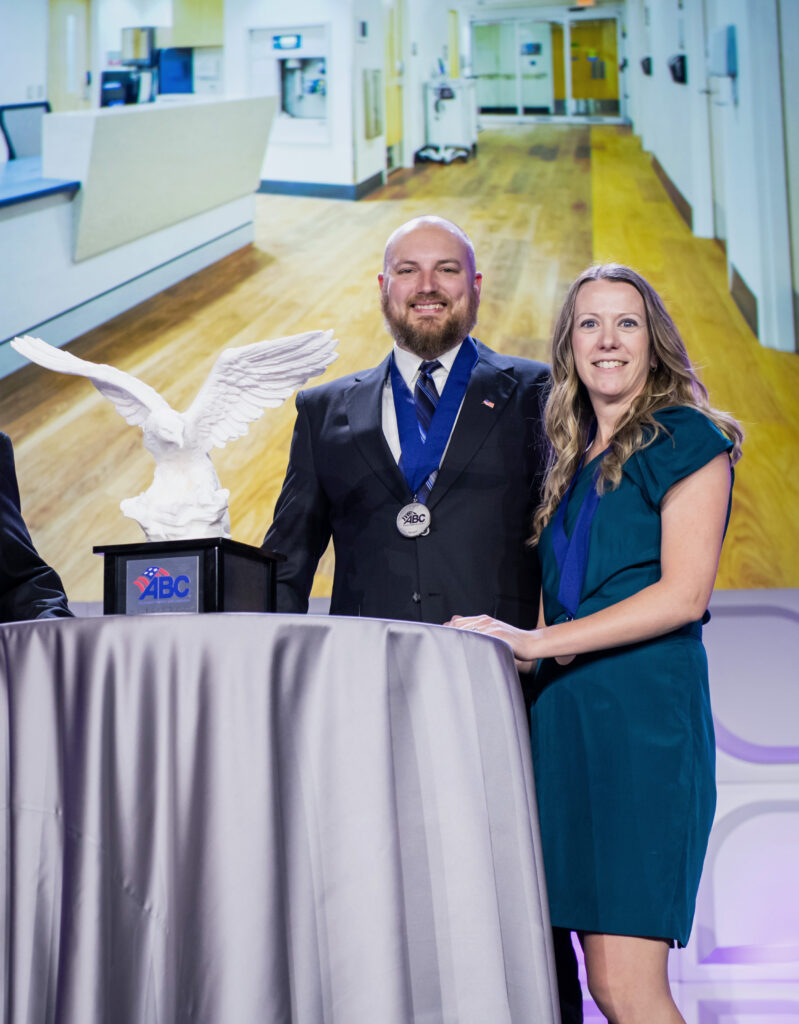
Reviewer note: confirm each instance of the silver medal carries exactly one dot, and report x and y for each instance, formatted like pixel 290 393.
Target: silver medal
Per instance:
pixel 413 520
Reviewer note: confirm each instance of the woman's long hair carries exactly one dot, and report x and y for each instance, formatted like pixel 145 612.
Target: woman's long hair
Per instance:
pixel 569 415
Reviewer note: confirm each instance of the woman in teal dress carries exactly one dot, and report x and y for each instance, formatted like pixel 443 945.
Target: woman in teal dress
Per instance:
pixel 629 534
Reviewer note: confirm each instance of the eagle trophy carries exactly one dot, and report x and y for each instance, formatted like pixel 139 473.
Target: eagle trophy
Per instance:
pixel 185 499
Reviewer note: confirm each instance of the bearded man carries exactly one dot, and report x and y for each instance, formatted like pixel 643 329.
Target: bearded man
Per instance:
pixel 424 471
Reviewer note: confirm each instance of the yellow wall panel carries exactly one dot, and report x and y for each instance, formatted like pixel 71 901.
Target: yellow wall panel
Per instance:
pixel 454 46
pixel 558 64
pixel 198 23
pixel 393 60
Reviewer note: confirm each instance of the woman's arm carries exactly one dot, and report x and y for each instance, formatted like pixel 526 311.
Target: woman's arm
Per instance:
pixel 523 665
pixel 693 515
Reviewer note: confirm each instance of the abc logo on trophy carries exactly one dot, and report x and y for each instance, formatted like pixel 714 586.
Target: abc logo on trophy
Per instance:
pixel 156 584
pixel 167 585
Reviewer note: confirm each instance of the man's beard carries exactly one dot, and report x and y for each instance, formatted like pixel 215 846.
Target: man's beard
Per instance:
pixel 430 339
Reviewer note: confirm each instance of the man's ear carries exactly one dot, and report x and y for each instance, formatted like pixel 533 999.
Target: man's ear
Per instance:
pixel 478 283
pixel 380 280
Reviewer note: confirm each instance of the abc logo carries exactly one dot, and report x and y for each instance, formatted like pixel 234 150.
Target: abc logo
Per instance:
pixel 156 584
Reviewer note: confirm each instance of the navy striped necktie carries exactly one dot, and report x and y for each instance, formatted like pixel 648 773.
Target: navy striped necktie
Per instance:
pixel 425 398
pixel 425 395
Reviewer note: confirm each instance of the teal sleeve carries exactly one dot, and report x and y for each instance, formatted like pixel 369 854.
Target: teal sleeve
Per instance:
pixel 687 441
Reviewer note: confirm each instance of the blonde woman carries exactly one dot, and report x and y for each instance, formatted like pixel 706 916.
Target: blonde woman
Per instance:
pixel 629 533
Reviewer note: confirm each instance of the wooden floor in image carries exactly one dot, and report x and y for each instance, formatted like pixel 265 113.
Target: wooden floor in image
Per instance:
pixel 540 202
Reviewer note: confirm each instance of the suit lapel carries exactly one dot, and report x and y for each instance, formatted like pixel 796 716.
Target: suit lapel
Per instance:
pixel 364 403
pixel 486 397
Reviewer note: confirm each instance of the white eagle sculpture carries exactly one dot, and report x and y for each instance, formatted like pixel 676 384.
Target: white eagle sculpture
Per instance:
pixel 185 499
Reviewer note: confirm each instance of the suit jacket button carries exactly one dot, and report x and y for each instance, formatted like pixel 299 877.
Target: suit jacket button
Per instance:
pixel 416 597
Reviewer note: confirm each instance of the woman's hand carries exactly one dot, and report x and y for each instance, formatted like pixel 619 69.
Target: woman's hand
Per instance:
pixel 520 641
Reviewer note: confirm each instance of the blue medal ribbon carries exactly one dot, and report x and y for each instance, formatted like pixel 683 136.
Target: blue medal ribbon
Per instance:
pixel 571 553
pixel 421 458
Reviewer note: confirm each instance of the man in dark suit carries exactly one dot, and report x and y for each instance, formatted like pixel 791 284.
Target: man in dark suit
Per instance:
pixel 424 470
pixel 29 588
pixel 344 480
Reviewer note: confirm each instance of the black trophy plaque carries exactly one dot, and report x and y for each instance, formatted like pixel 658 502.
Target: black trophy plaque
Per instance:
pixel 208 574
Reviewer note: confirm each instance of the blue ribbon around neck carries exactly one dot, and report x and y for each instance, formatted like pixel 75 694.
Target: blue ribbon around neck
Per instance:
pixel 571 553
pixel 421 458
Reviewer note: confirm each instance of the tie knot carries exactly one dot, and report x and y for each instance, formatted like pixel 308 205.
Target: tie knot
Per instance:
pixel 428 366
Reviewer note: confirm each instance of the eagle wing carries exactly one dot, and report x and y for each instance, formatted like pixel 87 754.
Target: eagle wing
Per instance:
pixel 244 381
pixel 132 398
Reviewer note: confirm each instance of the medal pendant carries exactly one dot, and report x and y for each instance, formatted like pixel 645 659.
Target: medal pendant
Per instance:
pixel 413 520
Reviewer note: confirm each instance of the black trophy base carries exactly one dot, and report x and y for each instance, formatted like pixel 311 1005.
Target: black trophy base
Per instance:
pixel 209 574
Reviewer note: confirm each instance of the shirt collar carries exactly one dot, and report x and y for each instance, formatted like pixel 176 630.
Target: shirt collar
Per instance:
pixel 408 363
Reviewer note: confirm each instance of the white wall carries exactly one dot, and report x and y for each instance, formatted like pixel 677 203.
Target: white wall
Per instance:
pixel 330 160
pixel 369 54
pixel 326 160
pixel 427 36
pixel 672 119
pixel 673 123
pixel 23 52
pixel 494 53
pixel 538 83
pixel 754 166
pixel 343 156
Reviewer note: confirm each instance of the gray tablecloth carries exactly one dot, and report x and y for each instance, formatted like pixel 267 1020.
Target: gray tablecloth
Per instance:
pixel 254 818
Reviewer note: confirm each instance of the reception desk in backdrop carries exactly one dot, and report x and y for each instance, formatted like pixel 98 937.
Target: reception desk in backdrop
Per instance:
pixel 123 202
pixel 270 818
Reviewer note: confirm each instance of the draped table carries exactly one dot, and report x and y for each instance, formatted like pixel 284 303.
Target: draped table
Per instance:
pixel 267 818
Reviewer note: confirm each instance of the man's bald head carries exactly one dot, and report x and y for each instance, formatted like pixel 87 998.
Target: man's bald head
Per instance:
pixel 430 220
